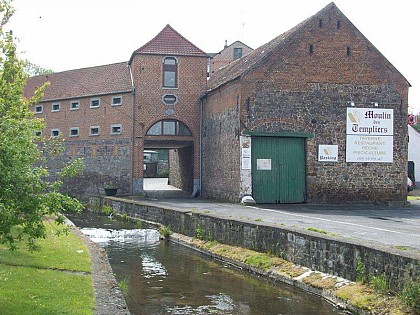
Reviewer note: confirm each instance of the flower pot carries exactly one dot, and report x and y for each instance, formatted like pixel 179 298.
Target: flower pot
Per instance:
pixel 111 191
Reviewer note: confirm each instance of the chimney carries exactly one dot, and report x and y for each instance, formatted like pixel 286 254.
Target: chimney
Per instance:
pixel 226 43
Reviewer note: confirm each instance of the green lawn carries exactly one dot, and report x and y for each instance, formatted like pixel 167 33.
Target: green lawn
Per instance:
pixel 54 280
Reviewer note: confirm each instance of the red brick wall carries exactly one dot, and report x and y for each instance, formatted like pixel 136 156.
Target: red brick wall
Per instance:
pixel 149 107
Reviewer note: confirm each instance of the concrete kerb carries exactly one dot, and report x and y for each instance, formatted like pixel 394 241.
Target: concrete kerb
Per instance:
pixel 306 248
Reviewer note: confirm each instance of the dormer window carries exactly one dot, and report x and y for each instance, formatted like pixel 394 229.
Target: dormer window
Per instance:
pixel 170 72
pixel 237 53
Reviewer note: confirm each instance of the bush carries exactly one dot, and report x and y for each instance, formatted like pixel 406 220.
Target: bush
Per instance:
pixel 411 295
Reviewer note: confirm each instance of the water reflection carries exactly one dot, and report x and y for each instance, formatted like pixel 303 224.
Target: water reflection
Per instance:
pixel 166 278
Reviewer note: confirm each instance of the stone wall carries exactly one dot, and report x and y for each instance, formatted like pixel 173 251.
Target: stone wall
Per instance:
pixel 180 170
pixel 221 144
pixel 321 112
pixel 104 161
pixel 333 255
pixel 220 167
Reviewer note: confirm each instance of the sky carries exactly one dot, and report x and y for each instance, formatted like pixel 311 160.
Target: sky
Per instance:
pixel 71 34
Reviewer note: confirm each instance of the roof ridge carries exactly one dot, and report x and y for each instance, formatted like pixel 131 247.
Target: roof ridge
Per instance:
pixel 169 41
pixel 79 69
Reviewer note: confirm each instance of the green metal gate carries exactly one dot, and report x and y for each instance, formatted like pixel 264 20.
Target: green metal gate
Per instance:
pixel 278 169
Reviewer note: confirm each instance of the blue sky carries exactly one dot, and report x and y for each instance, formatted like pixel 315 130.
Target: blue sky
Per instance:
pixel 63 34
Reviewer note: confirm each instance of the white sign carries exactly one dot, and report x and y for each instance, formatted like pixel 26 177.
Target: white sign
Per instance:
pixel 370 135
pixel 370 121
pixel 369 148
pixel 328 153
pixel 264 164
pixel 246 158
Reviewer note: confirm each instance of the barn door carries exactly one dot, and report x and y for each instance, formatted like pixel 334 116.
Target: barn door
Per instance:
pixel 278 169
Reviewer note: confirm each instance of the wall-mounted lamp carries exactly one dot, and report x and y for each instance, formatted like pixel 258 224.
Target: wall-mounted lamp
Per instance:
pixel 376 104
pixel 351 103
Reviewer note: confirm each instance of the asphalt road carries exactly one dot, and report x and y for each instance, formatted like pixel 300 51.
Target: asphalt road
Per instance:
pixel 398 226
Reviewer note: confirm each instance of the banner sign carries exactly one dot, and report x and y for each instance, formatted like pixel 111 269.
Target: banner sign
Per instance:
pixel 369 135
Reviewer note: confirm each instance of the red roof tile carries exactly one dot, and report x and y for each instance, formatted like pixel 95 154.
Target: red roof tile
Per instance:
pixel 107 79
pixel 170 42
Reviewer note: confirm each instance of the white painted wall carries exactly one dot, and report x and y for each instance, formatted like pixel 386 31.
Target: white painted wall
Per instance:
pixel 414 151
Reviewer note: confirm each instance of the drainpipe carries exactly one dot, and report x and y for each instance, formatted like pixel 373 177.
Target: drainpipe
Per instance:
pixel 133 118
pixel 201 143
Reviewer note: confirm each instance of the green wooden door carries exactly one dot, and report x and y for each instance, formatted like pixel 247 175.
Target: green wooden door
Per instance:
pixel 278 169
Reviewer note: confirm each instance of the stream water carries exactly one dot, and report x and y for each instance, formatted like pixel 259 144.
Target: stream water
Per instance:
pixel 166 278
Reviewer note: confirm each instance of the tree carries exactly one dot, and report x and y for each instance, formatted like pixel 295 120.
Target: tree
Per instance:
pixel 33 70
pixel 26 194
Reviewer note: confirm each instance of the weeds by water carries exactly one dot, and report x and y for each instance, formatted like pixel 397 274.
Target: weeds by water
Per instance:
pixel 123 285
pixel 165 231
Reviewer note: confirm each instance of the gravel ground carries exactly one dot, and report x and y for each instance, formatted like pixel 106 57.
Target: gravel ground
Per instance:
pixel 108 297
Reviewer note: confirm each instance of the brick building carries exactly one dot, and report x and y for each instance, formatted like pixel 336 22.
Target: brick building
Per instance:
pixel 315 115
pixel 228 54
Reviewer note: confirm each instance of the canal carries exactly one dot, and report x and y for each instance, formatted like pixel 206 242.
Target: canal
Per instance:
pixel 166 278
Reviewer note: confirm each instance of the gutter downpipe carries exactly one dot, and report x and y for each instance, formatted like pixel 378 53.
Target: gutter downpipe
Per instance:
pixel 132 128
pixel 201 143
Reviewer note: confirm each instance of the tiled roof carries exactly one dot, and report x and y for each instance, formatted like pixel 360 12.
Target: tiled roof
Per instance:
pixel 99 80
pixel 170 42
pixel 242 65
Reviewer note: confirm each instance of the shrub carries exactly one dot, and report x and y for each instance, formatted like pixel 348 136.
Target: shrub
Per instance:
pixel 411 295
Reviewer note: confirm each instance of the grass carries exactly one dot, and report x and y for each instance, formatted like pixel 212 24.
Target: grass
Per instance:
pixel 410 198
pixel 366 298
pixel 54 280
pixel 317 230
pixel 252 258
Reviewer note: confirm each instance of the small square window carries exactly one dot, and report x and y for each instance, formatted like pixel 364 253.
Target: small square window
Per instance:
pixel 38 134
pixel 94 103
pixel 39 109
pixel 116 100
pixel 55 132
pixel 237 53
pixel 55 107
pixel 74 105
pixel 74 132
pixel 116 129
pixel 94 131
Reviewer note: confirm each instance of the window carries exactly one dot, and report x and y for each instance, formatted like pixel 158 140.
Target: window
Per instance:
pixel 39 109
pixel 170 99
pixel 311 48
pixel 116 100
pixel 237 53
pixel 170 69
pixel 94 103
pixel 74 132
pixel 94 131
pixel 116 129
pixel 169 128
pixel 74 105
pixel 55 132
pixel 38 134
pixel 55 107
